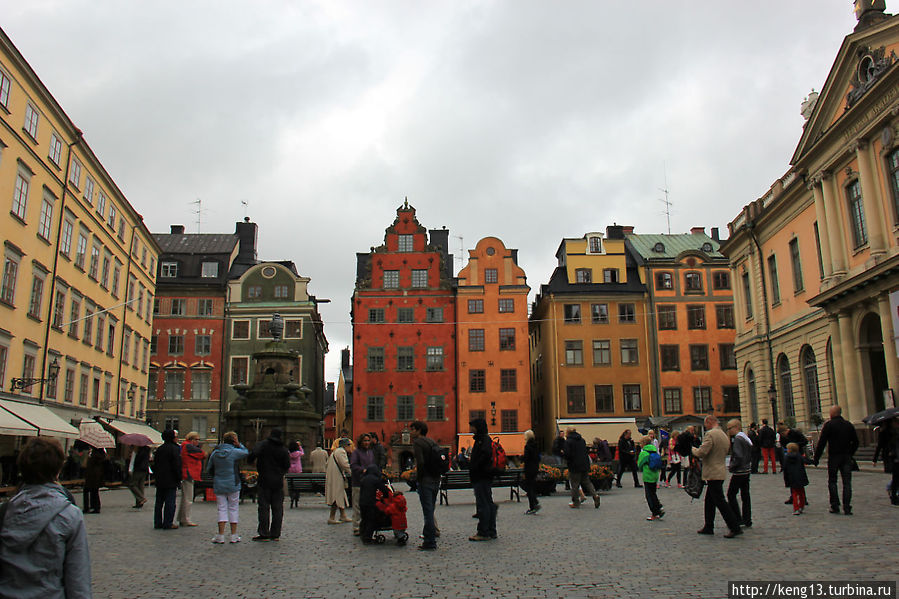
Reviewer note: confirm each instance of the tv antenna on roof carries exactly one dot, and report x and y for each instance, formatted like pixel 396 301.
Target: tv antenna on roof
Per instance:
pixel 460 257
pixel 668 204
pixel 246 206
pixel 199 213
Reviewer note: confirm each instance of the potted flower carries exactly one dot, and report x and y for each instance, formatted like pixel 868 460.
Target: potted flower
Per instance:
pixel 601 477
pixel 547 477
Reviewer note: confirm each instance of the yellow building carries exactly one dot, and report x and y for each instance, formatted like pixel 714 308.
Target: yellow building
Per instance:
pixel 78 263
pixel 816 259
pixel 589 341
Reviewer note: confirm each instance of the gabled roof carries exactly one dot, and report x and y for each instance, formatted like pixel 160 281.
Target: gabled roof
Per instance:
pixel 196 243
pixel 674 246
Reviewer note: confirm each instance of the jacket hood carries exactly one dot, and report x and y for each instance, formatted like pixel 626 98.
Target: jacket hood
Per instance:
pixel 744 436
pixel 29 512
pixel 224 450
pixel 275 439
pixel 480 426
pixel 650 448
pixel 574 435
pixel 275 435
pixel 372 469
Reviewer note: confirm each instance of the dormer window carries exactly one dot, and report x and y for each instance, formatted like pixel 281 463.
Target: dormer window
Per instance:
pixel 659 247
pixel 210 270
pixel 583 275
pixel 594 244
pixel 168 270
pixel 707 247
pixel 404 243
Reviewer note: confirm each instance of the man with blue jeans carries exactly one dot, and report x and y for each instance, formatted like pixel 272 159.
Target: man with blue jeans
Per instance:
pixel 480 470
pixel 428 482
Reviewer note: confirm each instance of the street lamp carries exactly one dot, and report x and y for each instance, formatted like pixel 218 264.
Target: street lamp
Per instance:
pixel 24 383
pixel 772 397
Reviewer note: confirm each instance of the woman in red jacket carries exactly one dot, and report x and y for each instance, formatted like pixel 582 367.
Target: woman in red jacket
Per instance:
pixel 191 469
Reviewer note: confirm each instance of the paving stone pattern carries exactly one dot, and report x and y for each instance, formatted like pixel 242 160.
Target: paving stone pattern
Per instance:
pixel 561 552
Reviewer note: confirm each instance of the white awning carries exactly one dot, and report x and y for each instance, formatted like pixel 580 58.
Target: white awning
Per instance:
pixel 126 427
pixel 13 425
pixel 46 422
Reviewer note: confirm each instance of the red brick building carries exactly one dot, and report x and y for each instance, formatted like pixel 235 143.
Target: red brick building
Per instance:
pixel 404 346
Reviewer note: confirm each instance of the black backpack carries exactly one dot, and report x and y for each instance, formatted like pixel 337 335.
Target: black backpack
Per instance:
pixel 693 483
pixel 437 460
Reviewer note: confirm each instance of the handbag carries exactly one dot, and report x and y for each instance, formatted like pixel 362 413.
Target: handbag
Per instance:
pixel 693 483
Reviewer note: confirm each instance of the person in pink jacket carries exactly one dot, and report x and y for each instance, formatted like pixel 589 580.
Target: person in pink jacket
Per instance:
pixel 296 467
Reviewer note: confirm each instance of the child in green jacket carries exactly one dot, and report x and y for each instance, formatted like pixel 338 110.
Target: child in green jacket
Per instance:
pixel 651 463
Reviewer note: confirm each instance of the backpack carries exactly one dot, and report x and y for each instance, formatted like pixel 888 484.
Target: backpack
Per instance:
pixel 498 456
pixel 437 461
pixel 655 461
pixel 693 483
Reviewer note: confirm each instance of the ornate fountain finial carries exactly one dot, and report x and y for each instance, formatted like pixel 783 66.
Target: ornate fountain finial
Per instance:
pixel 276 327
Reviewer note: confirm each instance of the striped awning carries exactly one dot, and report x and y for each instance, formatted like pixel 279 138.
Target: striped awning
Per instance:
pixel 46 422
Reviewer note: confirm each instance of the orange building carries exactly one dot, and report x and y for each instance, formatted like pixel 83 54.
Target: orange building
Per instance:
pixel 491 335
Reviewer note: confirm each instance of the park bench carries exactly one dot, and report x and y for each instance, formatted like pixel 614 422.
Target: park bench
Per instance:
pixel 460 479
pixel 205 482
pixel 305 482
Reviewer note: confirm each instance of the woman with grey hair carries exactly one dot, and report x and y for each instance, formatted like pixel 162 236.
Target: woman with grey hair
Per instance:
pixel 531 467
pixel 335 482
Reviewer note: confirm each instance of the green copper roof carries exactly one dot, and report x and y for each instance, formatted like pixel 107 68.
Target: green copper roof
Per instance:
pixel 673 245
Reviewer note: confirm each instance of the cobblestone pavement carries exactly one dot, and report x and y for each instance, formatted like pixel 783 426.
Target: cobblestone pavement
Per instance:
pixel 561 552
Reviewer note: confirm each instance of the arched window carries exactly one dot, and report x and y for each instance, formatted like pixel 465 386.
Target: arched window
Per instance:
pixel 753 399
pixel 786 385
pixel 810 380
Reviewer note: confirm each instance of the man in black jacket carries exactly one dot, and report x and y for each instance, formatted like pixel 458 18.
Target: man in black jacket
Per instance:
pixel 740 467
pixel 272 462
pixel 842 440
pixel 578 468
pixel 167 466
pixel 756 454
pixel 480 470
pixel 767 440
pixel 627 457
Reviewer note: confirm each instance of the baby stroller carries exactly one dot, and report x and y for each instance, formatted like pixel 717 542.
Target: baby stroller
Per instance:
pixel 391 510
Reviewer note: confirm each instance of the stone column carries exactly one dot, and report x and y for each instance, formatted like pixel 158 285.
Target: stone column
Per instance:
pixel 836 350
pixel 870 198
pixel 855 399
pixel 821 214
pixel 833 216
pixel 889 344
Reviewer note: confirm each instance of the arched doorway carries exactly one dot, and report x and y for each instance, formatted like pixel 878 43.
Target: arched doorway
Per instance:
pixel 786 386
pixel 751 394
pixel 874 367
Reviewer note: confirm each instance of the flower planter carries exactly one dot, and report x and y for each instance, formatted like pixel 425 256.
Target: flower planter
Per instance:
pixel 602 484
pixel 545 487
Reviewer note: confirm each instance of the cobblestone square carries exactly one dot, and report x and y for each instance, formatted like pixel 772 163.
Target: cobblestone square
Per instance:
pixel 561 552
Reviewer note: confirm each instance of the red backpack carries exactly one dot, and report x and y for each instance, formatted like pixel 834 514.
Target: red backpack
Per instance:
pixel 498 456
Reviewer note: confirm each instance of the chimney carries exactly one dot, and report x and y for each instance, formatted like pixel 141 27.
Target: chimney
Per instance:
pixel 177 229
pixel 627 230
pixel 345 358
pixel 715 234
pixel 614 232
pixel 246 234
pixel 697 231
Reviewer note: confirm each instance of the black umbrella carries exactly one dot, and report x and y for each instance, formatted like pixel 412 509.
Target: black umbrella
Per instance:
pixel 879 417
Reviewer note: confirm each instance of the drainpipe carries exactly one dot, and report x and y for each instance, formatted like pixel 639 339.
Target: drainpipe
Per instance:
pixel 750 226
pixel 51 298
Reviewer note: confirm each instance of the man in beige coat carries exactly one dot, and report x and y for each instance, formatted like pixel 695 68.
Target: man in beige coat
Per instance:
pixel 712 452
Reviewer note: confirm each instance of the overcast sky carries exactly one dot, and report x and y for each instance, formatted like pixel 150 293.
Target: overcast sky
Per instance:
pixel 531 121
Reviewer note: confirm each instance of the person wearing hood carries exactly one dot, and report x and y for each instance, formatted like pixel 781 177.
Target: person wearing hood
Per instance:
pixel 43 543
pixel 167 466
pixel 651 477
pixel 578 468
pixel 192 457
pixel 296 467
pixel 360 459
pixel 481 472
pixel 740 469
pixel 369 485
pixel 93 479
pixel 272 462
pixel 223 465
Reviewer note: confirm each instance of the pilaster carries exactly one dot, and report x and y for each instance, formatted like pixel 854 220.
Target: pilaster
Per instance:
pixel 889 344
pixel 821 213
pixel 855 400
pixel 870 198
pixel 833 218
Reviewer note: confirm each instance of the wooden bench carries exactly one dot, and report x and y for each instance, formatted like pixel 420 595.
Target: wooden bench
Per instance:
pixel 205 482
pixel 305 482
pixel 460 479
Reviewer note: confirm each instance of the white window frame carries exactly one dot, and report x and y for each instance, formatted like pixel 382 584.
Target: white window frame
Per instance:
pixel 287 320
pixel 45 224
pixel 55 153
pixel 101 203
pixel 168 270
pixel 32 119
pixel 249 331
pixel 5 84
pixel 89 190
pixel 20 193
pixel 209 269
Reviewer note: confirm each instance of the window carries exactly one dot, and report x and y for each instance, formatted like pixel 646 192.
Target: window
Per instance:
pixel 293 328
pixel 721 279
pixel 204 307
pixel 506 339
pixel 892 166
pixel 434 315
pixel 154 344
pixel 667 317
pixel 89 190
pixel 747 295
pixel 731 399
pixel 627 313
pixel 725 316
pixel 27 370
pixel 727 355
pixel 168 270
pixel 45 225
pixel 8 287
pixel 775 284
pixel 594 245
pixel 664 280
pixel 786 385
pixel 31 120
pixel 405 315
pixel 508 379
pixel 475 339
pixel 82 390
pixel 174 384
pixel 176 344
pixel 574 353
pixel 797 265
pixel 69 387
pixel 65 245
pixel 126 345
pixel 4 89
pixel 810 379
pixel 405 408
pixel 94 269
pixel 419 278
pixel 475 414
pixel 702 399
pixel 20 195
pixel 490 275
pixel 254 292
pixel 37 295
pixel 88 337
pixel 203 345
pixel 602 352
pixel 240 329
pixel 200 385
pixel 121 233
pixel 59 307
pixel 177 307
pixel 696 317
pixel 172 422
pixel 692 282
pixel 391 279
pixel 375 359
pixel 282 291
pixel 112 215
pixel 55 149
pixel 670 357
pixel 436 407
pixel 583 275
pixel 239 370
pixel 509 421
pixel 110 337
pixel 673 401
pixel 577 402
pixel 434 359
pixel 405 358
pixel 475 306
pixel 604 396
pixel 632 400
pixel 699 357
pixel 506 305
pixel 629 353
pixel 599 313
pixel 404 243
pixel 610 275
pixel 75 172
pixel 74 315
pixel 477 381
pixel 101 203
pixel 572 313
pixel 101 328
pixel 104 271
pixel 856 214
pixel 116 275
pixel 376 315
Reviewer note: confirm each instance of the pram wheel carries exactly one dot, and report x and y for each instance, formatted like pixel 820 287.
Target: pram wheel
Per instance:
pixel 402 539
pixel 380 539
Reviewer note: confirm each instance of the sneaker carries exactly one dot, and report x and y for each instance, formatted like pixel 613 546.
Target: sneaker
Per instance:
pixel 346 519
pixel 797 512
pixel 478 538
pixel 661 514
pixel 788 501
pixel 189 524
pixel 596 501
pixel 235 538
pixel 538 506
pixel 218 539
pixel 530 511
pixel 574 505
pixel 653 517
pixel 847 511
pixel 331 521
pixel 261 538
pixel 834 510
pixel 680 486
pixel 733 533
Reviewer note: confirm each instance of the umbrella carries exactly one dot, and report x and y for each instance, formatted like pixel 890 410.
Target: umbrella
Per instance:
pixel 95 435
pixel 879 417
pixel 138 439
